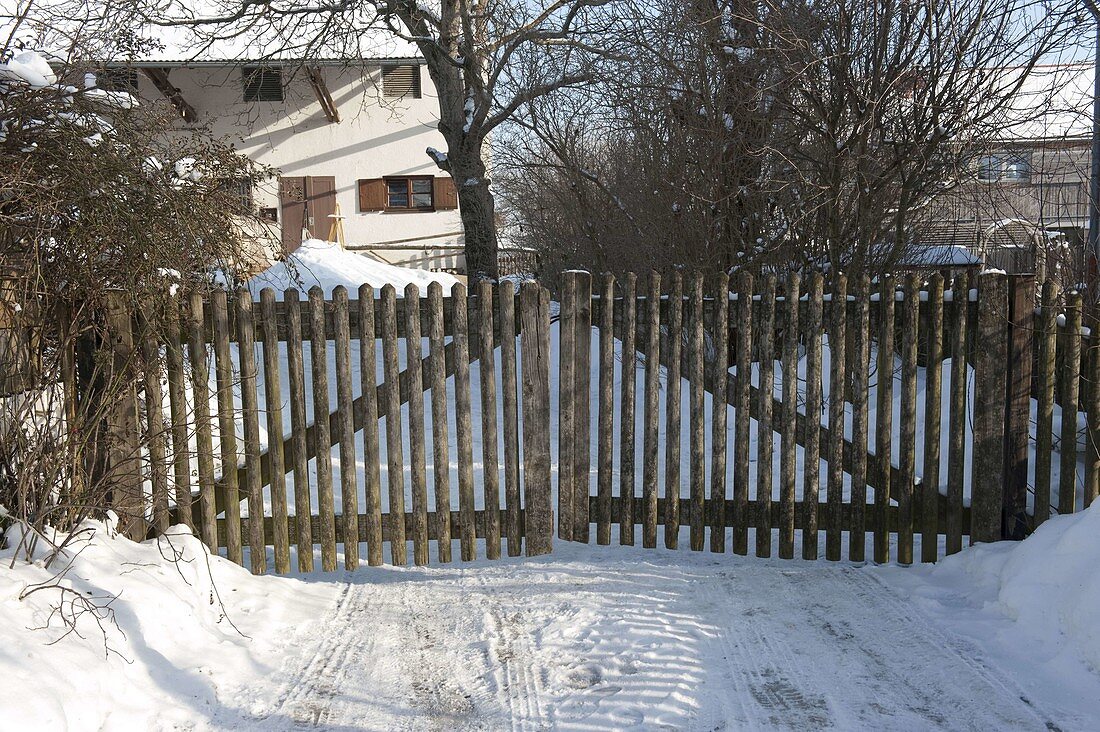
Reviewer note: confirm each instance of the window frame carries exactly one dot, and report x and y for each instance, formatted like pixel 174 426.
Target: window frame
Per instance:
pixel 408 180
pixel 994 167
pixel 259 86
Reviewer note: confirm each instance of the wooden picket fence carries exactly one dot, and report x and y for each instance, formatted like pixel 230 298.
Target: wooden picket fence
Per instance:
pixel 650 342
pixel 462 331
pixel 1017 350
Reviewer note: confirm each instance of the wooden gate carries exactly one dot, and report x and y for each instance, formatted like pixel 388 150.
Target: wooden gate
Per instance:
pixel 658 429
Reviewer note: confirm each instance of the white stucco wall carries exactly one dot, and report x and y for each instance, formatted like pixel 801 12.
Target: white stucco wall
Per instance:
pixel 375 137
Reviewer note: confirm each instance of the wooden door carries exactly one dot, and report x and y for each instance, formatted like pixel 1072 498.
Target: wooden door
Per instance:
pixel 306 202
pixel 320 204
pixel 292 211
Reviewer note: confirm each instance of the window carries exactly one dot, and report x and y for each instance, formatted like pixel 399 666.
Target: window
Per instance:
pixel 240 191
pixel 263 84
pixel 401 81
pixel 1017 167
pixel 1014 167
pixel 123 80
pixel 409 193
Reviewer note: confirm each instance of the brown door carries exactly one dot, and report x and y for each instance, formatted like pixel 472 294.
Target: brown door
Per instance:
pixel 320 205
pixel 292 211
pixel 306 202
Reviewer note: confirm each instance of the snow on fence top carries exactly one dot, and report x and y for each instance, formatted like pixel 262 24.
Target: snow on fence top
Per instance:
pixel 325 264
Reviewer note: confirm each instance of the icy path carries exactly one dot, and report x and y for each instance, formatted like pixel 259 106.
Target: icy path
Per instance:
pixel 626 640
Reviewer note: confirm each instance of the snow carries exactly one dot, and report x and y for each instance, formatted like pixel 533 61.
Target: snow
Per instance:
pixel 1047 585
pixel 175 636
pixel 327 265
pixel 30 68
pixel 590 637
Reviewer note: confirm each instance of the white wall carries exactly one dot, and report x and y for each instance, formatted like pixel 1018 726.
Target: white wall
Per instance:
pixel 375 137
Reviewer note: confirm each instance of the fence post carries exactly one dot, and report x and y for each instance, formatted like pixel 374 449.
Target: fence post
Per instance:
pixel 535 347
pixel 121 419
pixel 1021 322
pixel 991 353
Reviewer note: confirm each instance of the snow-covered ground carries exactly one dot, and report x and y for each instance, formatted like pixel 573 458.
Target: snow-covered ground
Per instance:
pixel 325 264
pixel 590 638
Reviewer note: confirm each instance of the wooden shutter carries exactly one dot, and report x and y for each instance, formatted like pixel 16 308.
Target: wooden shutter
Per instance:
pixel 401 81
pixel 372 194
pixel 444 195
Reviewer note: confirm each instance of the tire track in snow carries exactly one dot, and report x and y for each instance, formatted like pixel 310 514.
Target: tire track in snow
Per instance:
pixel 758 666
pixel 962 651
pixel 310 693
pixel 820 647
pixel 519 690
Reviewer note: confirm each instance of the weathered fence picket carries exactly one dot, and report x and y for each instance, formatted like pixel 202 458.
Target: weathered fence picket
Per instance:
pixel 674 342
pixel 858 365
pixel 719 407
pixel 273 407
pixel 467 530
pixel 908 423
pixel 488 389
pixel 765 326
pixel 788 414
pixel 349 478
pixel 395 461
pixel 652 411
pixel 246 355
pixel 933 389
pixel 811 483
pixel 838 353
pixel 956 454
pixel 1046 337
pixel 510 428
pixel 441 461
pixel 417 460
pixel 627 457
pixel 696 417
pixel 743 426
pixel 1071 367
pixel 298 461
pixel 606 410
pixel 884 422
pixel 227 438
pixel 318 359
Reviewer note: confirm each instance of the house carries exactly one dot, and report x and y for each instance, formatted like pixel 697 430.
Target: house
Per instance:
pixel 347 129
pixel 1024 205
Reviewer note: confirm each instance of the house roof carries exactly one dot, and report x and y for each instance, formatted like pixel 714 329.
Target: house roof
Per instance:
pixel 74 30
pixel 1054 103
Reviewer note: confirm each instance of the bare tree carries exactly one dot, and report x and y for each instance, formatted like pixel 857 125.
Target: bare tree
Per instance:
pixel 781 134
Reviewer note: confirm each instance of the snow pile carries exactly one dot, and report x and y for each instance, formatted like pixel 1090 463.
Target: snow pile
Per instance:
pixel 325 264
pixel 29 68
pixel 1048 584
pixel 164 633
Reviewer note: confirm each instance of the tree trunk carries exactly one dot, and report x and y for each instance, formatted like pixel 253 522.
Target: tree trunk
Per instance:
pixel 476 206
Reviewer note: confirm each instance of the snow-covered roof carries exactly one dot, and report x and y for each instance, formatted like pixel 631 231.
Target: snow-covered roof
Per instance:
pixel 939 255
pixel 74 30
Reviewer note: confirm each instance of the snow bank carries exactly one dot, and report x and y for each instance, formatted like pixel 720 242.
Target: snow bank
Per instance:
pixel 325 264
pixel 166 646
pixel 1048 584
